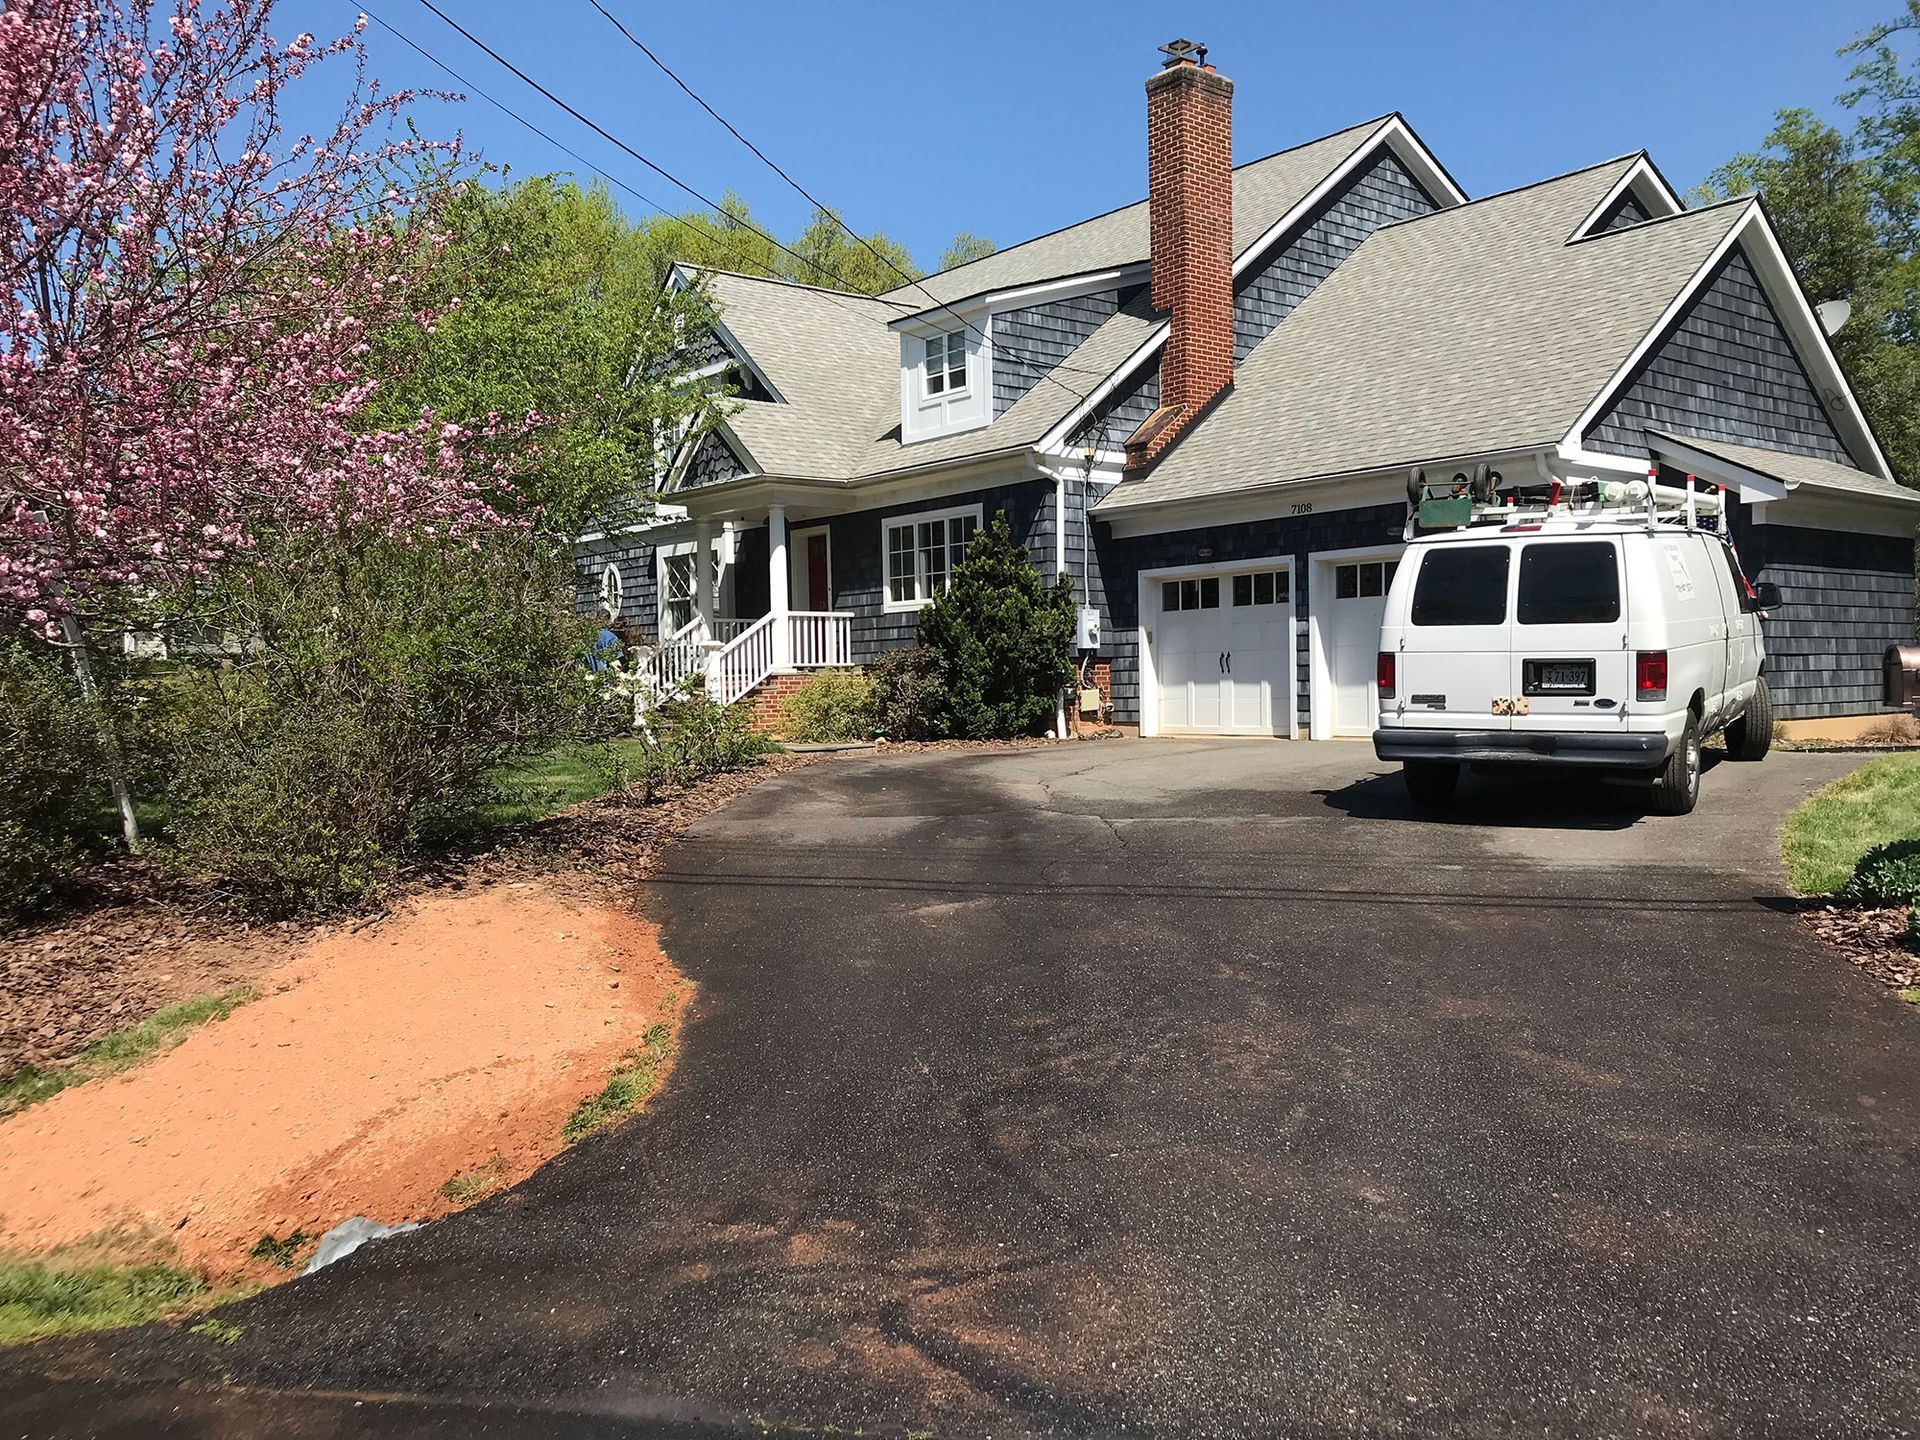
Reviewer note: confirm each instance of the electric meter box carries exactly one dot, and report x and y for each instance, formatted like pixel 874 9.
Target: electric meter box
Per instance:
pixel 1089 635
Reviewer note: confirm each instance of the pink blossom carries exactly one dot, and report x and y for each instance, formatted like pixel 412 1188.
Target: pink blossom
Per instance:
pixel 184 337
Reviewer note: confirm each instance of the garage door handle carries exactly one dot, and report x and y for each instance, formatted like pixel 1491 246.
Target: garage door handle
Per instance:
pixel 1229 662
pixel 1222 662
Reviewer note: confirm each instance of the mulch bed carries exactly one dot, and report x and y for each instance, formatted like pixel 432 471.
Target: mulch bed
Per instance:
pixel 1874 940
pixel 134 938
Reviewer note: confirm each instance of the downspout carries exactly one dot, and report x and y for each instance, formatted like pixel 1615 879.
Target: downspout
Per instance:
pixel 1059 478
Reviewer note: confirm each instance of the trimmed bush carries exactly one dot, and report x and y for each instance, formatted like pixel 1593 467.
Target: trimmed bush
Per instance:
pixel 377 685
pixel 1887 875
pixel 1004 639
pixel 831 705
pixel 52 769
pixel 910 695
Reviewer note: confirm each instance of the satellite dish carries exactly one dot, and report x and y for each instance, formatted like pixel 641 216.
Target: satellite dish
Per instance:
pixel 1833 315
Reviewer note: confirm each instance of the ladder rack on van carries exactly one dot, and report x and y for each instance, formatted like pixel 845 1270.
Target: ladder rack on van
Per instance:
pixel 1483 498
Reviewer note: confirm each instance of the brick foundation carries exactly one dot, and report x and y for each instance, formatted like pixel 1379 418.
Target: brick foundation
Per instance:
pixel 767 704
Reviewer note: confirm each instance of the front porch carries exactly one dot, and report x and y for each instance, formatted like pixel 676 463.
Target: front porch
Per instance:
pixel 715 622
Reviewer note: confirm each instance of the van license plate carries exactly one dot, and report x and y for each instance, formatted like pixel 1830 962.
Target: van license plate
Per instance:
pixel 1557 677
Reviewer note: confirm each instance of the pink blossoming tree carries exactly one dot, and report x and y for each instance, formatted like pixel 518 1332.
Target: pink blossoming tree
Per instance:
pixel 189 297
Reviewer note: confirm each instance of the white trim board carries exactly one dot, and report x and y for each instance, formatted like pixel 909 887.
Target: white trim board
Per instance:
pixel 1646 182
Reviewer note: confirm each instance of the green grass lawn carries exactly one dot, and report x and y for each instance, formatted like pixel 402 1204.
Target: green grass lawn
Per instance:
pixel 108 1281
pixel 1876 804
pixel 121 1050
pixel 545 784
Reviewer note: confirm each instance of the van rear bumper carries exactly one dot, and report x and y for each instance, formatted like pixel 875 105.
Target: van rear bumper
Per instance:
pixel 1612 751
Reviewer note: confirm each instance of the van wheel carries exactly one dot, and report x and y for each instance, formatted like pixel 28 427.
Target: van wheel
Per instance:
pixel 1430 783
pixel 1751 736
pixel 1677 787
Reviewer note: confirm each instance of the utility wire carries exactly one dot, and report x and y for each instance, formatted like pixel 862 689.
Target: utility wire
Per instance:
pixel 511 113
pixel 820 205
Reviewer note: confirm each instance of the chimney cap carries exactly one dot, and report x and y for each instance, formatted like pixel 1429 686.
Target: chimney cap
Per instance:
pixel 1183 52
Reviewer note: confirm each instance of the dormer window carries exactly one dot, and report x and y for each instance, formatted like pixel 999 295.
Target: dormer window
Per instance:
pixel 947 363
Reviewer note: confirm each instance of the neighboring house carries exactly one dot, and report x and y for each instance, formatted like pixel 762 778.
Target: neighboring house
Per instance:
pixel 1205 408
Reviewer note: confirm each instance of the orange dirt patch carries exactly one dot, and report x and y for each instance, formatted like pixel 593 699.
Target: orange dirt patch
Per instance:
pixel 376 1067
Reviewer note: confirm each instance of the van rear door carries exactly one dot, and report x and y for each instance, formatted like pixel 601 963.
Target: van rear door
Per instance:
pixel 1454 658
pixel 1571 666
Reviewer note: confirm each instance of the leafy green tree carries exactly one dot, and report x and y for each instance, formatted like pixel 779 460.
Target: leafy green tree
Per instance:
pixel 1004 639
pixel 1847 206
pixel 551 302
pixel 966 247
pixel 825 254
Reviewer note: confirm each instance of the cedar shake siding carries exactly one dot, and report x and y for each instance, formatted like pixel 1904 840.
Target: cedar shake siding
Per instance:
pixel 1845 598
pixel 1624 212
pixel 1726 371
pixel 712 462
pixel 1029 343
pixel 856 545
pixel 1120 562
pixel 1379 193
pixel 637 579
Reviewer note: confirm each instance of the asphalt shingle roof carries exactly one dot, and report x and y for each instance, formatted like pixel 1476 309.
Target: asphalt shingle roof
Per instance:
pixel 1263 191
pixel 1472 329
pixel 836 364
pixel 1797 470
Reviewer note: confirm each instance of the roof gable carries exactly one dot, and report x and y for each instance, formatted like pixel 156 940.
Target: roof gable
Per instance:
pixel 1728 327
pixel 1472 329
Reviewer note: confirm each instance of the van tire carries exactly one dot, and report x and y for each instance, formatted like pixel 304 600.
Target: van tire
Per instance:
pixel 1430 783
pixel 1676 789
pixel 1751 736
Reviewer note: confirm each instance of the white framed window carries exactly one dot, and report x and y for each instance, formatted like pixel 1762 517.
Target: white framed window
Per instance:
pixel 610 591
pixel 946 363
pixel 676 592
pixel 920 552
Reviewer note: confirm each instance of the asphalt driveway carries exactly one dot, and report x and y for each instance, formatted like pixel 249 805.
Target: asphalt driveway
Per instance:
pixel 1168 1087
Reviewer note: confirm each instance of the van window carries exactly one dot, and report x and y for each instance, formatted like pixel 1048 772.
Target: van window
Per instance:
pixel 1462 585
pixel 1569 584
pixel 1740 585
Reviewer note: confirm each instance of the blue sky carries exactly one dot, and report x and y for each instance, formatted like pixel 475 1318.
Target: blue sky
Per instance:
pixel 1013 119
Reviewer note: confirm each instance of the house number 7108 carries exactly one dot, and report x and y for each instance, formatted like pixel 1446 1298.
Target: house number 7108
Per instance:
pixel 1303 507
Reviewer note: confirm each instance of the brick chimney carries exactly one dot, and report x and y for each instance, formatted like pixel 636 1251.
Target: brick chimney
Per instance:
pixel 1190 210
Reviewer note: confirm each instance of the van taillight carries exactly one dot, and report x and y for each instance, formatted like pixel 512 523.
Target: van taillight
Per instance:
pixel 1650 675
pixel 1383 675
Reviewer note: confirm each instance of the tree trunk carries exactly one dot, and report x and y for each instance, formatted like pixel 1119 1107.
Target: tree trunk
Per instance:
pixel 109 735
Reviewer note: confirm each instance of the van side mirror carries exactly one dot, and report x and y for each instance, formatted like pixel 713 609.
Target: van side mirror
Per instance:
pixel 1766 595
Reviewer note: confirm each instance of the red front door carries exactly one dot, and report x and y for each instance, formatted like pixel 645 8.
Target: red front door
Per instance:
pixel 818 597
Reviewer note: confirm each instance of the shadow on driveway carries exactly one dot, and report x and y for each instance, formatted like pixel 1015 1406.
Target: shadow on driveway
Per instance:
pixel 1514 800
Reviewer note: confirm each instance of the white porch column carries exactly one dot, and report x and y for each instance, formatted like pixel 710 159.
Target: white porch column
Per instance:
pixel 779 587
pixel 703 572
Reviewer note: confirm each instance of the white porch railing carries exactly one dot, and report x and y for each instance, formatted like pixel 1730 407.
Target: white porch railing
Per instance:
pixel 743 662
pixel 737 655
pixel 678 656
pixel 819 638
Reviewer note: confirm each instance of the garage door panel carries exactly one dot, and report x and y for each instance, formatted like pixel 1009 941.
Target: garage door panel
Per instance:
pixel 1223 651
pixel 1350 616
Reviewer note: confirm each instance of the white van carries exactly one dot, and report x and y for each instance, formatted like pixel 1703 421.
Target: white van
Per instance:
pixel 1616 643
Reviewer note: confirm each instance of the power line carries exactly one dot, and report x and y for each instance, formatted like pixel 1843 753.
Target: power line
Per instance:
pixel 1046 373
pixel 511 113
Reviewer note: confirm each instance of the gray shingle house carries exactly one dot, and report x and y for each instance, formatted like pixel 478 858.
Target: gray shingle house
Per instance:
pixel 1205 408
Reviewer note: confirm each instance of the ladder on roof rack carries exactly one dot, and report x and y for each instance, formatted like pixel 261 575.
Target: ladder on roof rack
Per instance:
pixel 1484 497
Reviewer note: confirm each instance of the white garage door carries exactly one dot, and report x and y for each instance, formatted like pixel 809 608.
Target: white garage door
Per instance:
pixel 1351 626
pixel 1223 653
